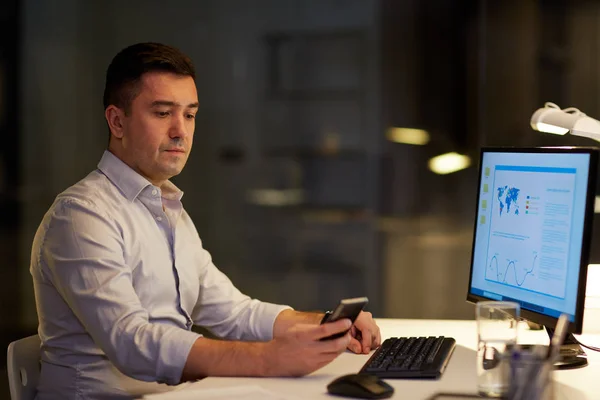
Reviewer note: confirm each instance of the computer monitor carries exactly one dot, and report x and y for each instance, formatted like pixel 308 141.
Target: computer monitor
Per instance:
pixel 532 234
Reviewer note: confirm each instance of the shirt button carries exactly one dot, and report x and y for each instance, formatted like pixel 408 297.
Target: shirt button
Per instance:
pixel 154 192
pixel 159 219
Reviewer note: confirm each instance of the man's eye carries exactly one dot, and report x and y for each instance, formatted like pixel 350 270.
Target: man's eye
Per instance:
pixel 162 114
pixel 191 116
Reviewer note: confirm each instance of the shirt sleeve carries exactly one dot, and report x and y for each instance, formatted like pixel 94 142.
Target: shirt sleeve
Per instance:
pixel 83 251
pixel 229 313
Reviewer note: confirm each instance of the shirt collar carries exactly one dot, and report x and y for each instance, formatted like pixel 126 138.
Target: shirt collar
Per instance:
pixel 129 182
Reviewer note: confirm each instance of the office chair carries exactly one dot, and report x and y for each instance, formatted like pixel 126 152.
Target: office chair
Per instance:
pixel 23 365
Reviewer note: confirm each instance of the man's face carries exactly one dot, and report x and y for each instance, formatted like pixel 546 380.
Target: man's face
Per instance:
pixel 157 134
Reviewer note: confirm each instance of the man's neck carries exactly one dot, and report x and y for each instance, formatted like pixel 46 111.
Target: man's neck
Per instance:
pixel 119 154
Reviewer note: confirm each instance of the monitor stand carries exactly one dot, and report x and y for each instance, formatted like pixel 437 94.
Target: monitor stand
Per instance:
pixel 571 353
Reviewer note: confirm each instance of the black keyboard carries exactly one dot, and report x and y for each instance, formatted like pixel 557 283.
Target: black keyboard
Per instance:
pixel 411 357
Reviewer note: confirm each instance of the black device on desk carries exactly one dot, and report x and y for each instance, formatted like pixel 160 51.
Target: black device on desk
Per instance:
pixel 348 308
pixel 532 236
pixel 360 386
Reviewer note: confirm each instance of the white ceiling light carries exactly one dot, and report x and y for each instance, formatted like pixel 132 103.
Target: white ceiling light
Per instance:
pixel 417 137
pixel 275 197
pixel 448 163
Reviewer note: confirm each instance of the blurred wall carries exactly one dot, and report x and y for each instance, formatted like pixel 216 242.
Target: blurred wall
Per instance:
pixel 65 52
pixel 470 73
pixel 61 113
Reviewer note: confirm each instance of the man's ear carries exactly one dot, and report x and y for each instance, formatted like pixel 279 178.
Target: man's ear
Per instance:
pixel 115 119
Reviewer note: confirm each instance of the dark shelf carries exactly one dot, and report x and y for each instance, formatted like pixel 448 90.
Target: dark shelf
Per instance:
pixel 308 152
pixel 314 95
pixel 325 213
pixel 332 214
pixel 314 34
pixel 309 65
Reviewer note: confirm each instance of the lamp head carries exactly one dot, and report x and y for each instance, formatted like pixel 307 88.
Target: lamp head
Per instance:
pixel 551 119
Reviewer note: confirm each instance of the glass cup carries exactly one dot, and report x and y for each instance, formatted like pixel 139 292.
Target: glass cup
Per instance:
pixel 497 323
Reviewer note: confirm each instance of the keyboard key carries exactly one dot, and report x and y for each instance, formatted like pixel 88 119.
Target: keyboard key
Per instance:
pixel 435 349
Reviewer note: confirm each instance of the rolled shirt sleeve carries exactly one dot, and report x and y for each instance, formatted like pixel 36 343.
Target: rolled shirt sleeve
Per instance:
pixel 227 312
pixel 83 252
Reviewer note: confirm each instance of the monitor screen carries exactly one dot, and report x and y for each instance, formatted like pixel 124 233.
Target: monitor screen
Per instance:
pixel 533 230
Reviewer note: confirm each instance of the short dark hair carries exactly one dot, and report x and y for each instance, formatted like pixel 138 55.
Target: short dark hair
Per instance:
pixel 127 67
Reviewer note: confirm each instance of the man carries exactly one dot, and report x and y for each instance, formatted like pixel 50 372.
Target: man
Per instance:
pixel 119 271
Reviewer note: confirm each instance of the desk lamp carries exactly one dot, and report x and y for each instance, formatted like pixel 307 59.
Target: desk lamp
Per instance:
pixel 551 119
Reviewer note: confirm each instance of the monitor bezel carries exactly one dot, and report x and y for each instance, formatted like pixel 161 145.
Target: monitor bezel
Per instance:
pixel 577 325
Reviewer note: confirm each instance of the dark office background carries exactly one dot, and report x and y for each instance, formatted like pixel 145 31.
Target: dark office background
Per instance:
pixel 292 183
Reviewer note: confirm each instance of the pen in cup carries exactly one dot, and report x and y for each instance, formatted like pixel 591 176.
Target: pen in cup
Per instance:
pixel 558 337
pixel 526 366
pixel 539 371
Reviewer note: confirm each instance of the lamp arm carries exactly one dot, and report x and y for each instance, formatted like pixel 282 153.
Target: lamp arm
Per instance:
pixel 591 135
pixel 587 127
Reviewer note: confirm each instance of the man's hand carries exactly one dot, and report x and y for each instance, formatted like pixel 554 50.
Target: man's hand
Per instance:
pixel 365 334
pixel 295 350
pixel 299 351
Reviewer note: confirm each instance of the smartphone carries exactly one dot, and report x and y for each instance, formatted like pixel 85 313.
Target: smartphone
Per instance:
pixel 348 308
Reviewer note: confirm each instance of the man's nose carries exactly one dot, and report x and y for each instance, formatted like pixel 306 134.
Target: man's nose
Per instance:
pixel 178 127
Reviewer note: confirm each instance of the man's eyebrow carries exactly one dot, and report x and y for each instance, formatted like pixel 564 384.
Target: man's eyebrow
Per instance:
pixel 168 103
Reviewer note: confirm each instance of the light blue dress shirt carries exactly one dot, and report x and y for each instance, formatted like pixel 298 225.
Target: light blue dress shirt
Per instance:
pixel 120 276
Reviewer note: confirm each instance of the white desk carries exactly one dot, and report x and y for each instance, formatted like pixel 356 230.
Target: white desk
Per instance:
pixel 460 376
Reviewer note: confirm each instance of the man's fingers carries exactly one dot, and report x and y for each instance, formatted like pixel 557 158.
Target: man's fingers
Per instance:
pixel 331 328
pixel 366 341
pixel 355 346
pixel 336 346
pixel 377 340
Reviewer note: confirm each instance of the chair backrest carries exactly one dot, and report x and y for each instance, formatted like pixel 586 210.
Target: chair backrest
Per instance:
pixel 23 365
